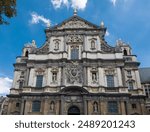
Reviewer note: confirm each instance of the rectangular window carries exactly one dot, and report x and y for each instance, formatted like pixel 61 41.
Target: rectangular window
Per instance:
pixel 112 107
pixel 130 85
pixel 74 53
pixel 133 106
pixel 146 92
pixel 110 81
pixel 36 106
pixel 54 76
pixel 39 81
pixel 17 104
pixel 129 74
pixel 21 84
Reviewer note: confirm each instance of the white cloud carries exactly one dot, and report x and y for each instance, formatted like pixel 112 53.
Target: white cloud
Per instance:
pixel 79 4
pixel 37 18
pixel 113 2
pixel 121 2
pixel 5 85
pixel 58 3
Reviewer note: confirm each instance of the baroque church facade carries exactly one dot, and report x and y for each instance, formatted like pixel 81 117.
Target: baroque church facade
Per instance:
pixel 76 72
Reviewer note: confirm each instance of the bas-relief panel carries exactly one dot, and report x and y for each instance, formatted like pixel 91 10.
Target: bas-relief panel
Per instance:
pixel 74 73
pixel 75 23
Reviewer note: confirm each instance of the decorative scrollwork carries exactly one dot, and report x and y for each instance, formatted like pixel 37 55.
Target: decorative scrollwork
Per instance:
pixel 73 73
pixel 75 23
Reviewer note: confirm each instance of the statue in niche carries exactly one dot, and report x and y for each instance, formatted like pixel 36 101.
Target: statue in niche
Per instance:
pixel 52 106
pixel 95 107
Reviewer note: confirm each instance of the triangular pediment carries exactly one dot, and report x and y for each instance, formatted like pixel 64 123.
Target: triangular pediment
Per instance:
pixel 75 22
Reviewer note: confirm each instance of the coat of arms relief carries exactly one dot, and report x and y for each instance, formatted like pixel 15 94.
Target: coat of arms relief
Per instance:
pixel 74 73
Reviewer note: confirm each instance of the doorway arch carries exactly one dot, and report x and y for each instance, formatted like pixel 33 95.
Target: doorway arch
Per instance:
pixel 73 110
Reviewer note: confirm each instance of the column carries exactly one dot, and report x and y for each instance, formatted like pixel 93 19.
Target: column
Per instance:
pixel 27 77
pixel 22 107
pixel 45 108
pixel 103 107
pixel 84 76
pixel 27 107
pixel 57 107
pixel 138 81
pixel 62 82
pixel 85 105
pixel 62 104
pixel 10 103
pixel 101 76
pixel 143 109
pixel 123 77
pixel 119 77
pixel 90 107
pixel 123 109
pixel 63 74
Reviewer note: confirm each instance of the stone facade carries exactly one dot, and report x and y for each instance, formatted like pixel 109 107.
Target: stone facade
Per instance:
pixel 3 105
pixel 145 81
pixel 76 72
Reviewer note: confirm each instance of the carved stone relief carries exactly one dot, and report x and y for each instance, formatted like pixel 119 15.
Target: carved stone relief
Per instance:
pixel 110 71
pixel 74 38
pixel 74 73
pixel 75 23
pixel 39 71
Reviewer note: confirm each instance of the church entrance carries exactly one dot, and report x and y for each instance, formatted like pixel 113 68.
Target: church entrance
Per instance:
pixel 73 110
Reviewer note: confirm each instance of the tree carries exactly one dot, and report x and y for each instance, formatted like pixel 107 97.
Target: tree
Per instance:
pixel 7 10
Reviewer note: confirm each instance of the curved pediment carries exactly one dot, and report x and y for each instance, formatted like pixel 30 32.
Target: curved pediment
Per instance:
pixel 74 90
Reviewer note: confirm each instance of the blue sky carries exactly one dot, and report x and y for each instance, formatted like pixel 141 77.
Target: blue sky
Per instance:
pixel 125 19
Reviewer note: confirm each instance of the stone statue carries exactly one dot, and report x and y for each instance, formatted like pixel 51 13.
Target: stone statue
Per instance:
pixel 33 43
pixel 95 107
pixel 52 106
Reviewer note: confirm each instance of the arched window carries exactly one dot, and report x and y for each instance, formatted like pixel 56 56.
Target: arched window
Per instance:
pixel 125 52
pixel 36 106
pixel 26 53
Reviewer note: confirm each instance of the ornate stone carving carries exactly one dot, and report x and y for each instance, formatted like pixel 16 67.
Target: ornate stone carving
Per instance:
pixel 39 71
pixel 75 23
pixel 42 50
pixel 110 71
pixel 74 38
pixel 55 69
pixel 107 48
pixel 74 73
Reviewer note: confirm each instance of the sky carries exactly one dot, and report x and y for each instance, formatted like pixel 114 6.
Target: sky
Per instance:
pixel 128 20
